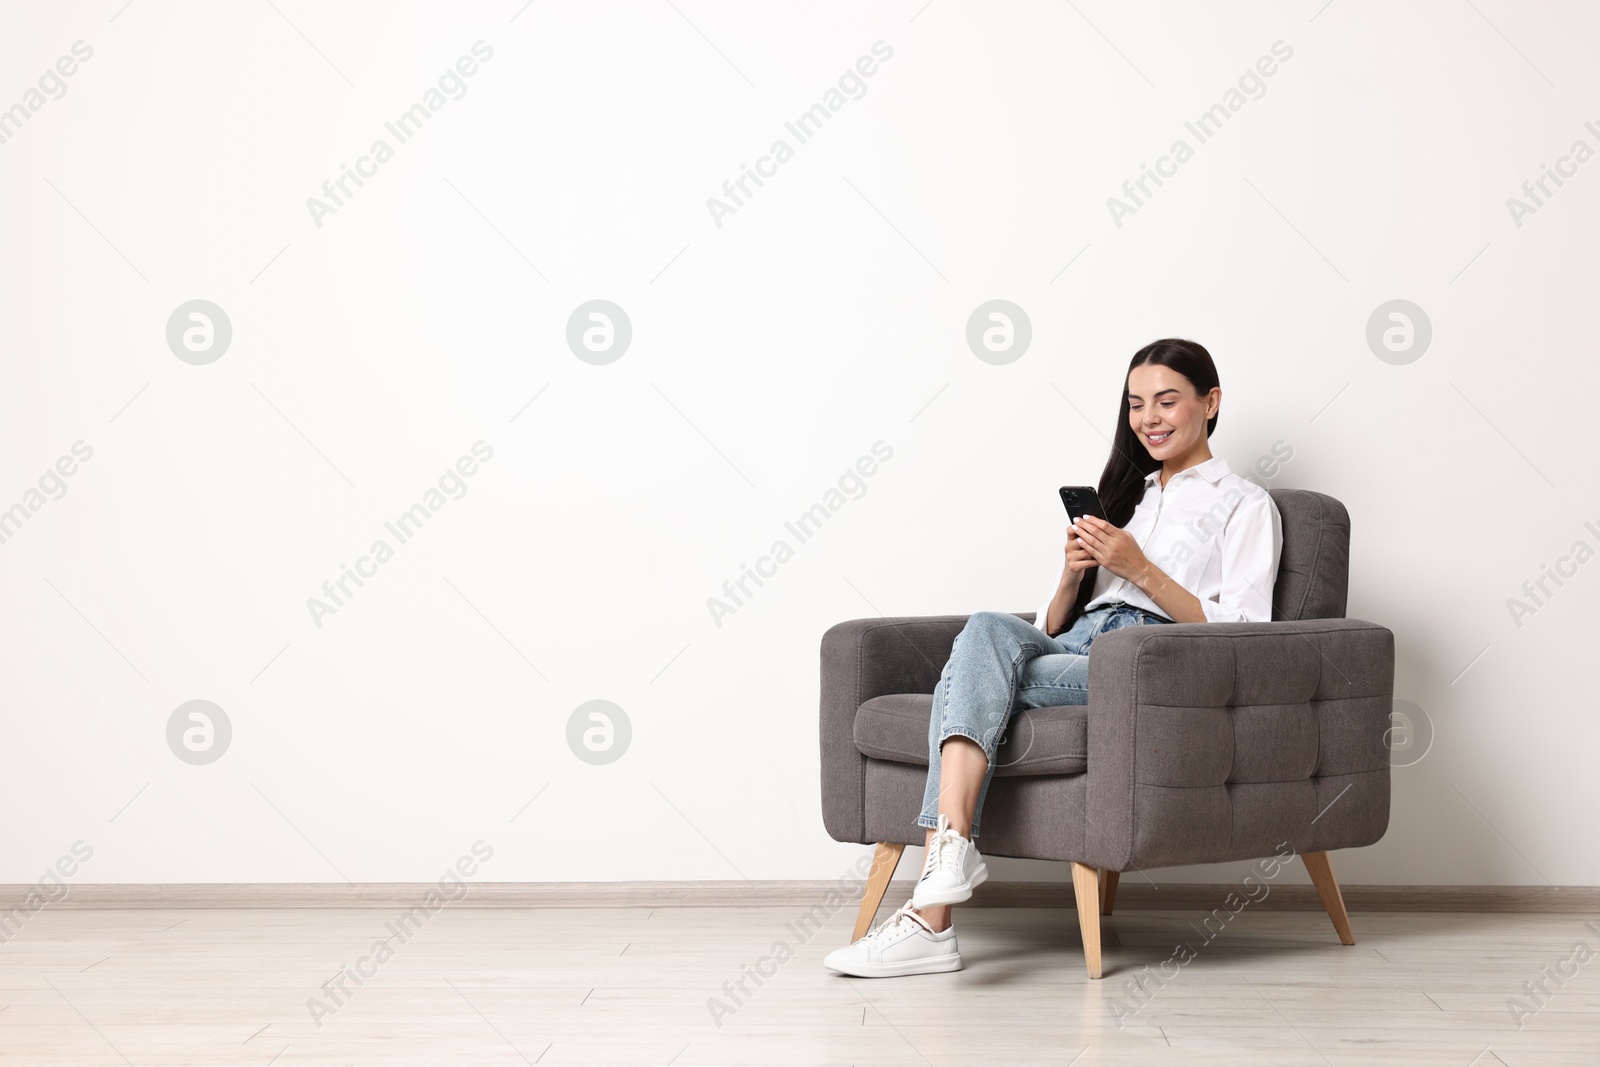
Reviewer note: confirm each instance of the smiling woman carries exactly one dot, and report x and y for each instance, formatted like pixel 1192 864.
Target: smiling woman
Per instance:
pixel 1161 489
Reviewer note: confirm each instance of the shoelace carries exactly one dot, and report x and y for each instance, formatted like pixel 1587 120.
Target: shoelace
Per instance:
pixel 892 924
pixel 944 852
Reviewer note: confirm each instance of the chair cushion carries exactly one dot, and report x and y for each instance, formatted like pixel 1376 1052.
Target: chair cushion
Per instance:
pixel 1038 741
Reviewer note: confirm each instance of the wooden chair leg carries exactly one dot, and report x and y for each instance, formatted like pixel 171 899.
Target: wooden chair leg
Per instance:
pixel 1108 891
pixel 1321 872
pixel 1086 888
pixel 885 858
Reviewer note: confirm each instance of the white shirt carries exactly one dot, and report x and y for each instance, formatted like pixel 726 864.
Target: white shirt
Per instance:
pixel 1214 533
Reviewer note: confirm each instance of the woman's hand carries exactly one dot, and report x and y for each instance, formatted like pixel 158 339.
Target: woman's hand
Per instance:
pixel 1078 557
pixel 1110 547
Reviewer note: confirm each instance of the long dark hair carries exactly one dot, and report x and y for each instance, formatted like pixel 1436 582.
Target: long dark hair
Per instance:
pixel 1122 482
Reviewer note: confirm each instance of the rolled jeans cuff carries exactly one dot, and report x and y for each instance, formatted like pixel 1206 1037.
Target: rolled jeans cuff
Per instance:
pixel 989 751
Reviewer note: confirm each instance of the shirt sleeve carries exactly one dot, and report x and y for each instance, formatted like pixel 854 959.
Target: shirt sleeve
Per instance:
pixel 1044 610
pixel 1252 543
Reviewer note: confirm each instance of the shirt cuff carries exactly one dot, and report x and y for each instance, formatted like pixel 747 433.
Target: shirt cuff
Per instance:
pixel 1216 612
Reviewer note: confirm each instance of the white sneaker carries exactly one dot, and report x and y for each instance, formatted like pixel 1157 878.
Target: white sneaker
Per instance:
pixel 952 869
pixel 902 944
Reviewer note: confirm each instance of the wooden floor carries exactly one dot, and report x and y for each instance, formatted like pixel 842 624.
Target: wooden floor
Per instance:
pixel 631 986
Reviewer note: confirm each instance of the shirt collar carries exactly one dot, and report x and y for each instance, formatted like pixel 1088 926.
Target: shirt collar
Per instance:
pixel 1212 470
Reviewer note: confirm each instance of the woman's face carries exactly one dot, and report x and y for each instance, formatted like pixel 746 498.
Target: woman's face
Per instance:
pixel 1167 413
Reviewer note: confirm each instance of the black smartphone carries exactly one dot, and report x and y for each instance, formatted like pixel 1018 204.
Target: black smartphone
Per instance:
pixel 1081 500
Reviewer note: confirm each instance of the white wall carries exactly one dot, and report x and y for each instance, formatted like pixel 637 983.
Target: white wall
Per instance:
pixel 768 354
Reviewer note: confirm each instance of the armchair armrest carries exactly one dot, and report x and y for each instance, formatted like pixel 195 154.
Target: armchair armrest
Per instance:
pixel 862 659
pixel 1220 741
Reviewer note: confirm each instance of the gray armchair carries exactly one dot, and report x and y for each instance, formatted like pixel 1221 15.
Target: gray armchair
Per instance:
pixel 1201 742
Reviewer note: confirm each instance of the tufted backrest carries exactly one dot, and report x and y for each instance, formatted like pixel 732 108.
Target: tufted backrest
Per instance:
pixel 1314 570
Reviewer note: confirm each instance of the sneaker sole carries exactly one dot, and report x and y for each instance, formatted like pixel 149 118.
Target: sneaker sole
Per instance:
pixel 901 970
pixel 920 899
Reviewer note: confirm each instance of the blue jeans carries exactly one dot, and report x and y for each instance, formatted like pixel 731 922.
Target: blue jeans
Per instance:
pixel 1001 665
